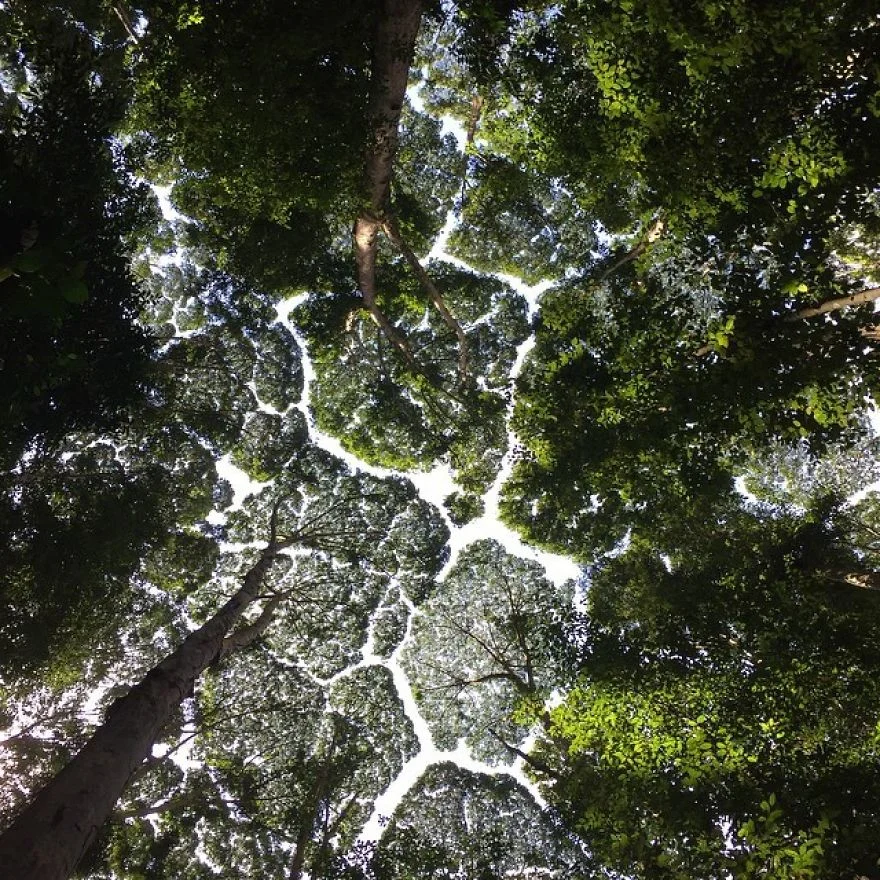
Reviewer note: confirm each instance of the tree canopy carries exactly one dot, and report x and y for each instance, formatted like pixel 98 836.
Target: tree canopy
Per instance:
pixel 323 323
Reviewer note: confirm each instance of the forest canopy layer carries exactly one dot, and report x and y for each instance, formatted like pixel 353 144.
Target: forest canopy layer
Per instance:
pixel 606 270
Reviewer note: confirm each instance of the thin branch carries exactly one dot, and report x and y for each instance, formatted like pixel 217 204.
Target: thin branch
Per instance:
pixel 473 123
pixel 835 305
pixel 655 230
pixel 831 305
pixel 531 761
pixel 392 230
pixel 863 580
pixel 125 22
pixel 186 799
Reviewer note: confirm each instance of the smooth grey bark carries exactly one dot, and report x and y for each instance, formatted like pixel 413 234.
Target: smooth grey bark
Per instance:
pixel 393 52
pixel 51 835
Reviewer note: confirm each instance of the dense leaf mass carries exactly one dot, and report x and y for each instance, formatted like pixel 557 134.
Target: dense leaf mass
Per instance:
pixel 323 322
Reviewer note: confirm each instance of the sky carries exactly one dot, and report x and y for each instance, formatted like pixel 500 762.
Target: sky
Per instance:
pixel 433 486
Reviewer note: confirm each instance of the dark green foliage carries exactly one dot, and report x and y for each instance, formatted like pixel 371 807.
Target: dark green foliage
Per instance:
pixel 426 179
pixel 272 181
pixel 68 551
pixel 268 442
pixel 456 823
pixel 68 208
pixel 691 178
pixel 366 396
pixel 726 721
pixel 519 222
pixel 657 383
pixel 462 507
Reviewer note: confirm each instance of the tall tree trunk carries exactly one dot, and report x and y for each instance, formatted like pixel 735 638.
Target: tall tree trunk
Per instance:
pixel 366 232
pixel 393 51
pixel 48 839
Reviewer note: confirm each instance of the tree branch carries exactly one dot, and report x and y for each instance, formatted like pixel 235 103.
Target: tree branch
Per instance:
pixel 655 230
pixel 244 635
pixel 835 305
pixel 831 305
pixel 863 580
pixel 366 231
pixel 392 230
pixel 531 761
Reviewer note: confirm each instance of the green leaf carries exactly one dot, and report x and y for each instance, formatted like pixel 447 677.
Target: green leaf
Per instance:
pixel 75 292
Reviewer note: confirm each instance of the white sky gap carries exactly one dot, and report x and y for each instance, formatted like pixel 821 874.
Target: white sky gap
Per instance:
pixel 433 486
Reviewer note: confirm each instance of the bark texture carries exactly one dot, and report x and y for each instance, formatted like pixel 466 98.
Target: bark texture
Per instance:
pixel 393 52
pixel 48 839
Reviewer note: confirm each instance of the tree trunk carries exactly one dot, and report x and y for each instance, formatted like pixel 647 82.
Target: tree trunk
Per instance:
pixel 393 51
pixel 366 231
pixel 47 840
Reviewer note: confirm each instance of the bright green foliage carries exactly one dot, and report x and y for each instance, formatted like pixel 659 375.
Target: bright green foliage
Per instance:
pixel 661 360
pixel 710 112
pixel 690 178
pixel 365 395
pixel 856 243
pixel 726 724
